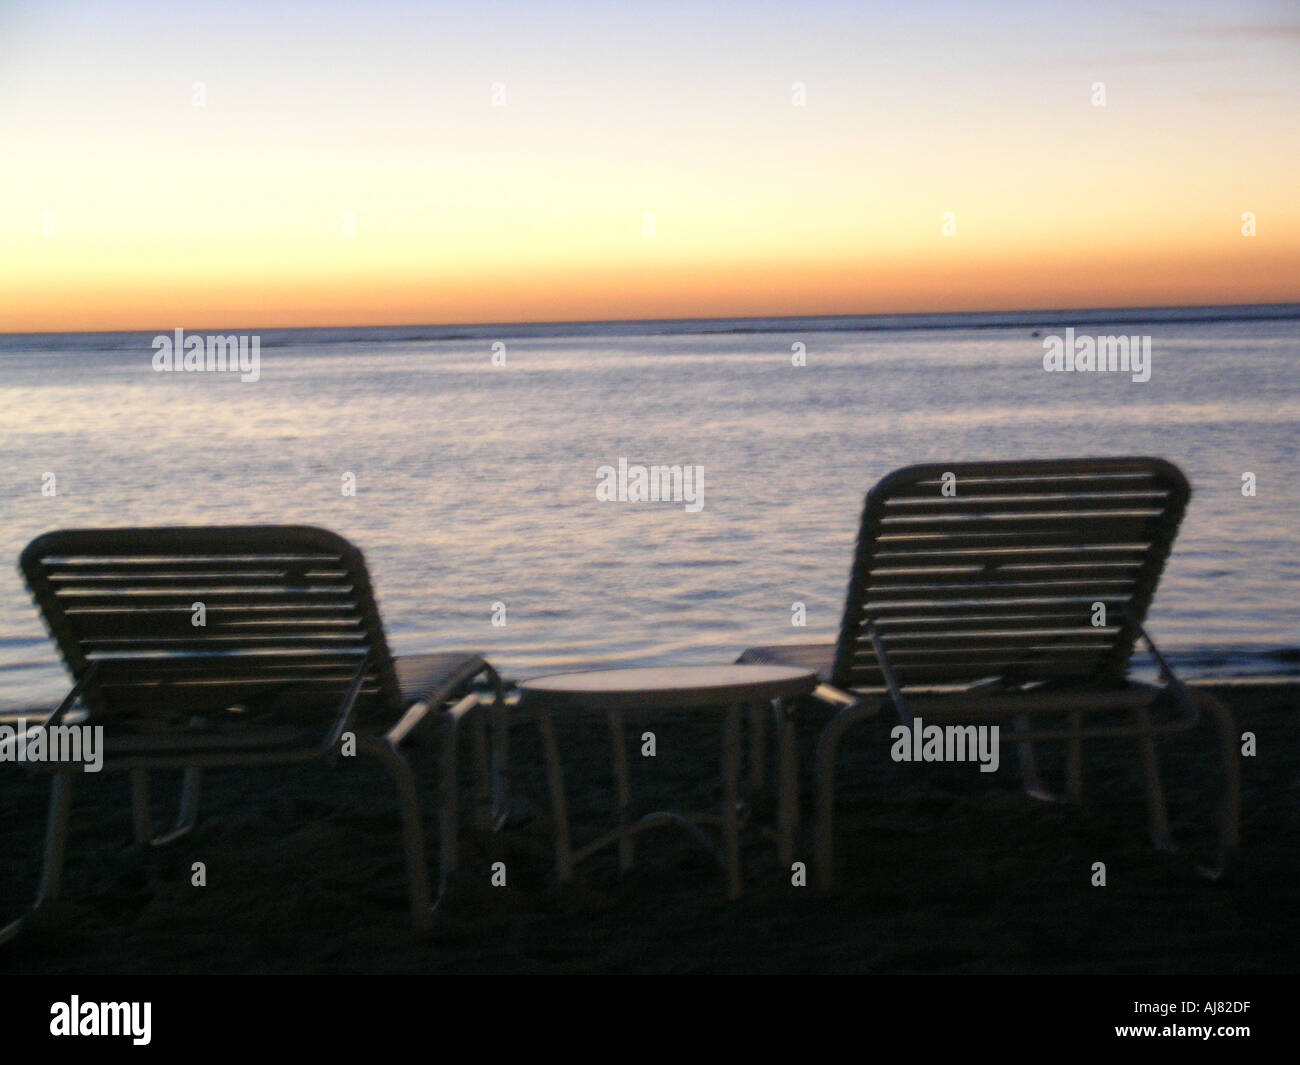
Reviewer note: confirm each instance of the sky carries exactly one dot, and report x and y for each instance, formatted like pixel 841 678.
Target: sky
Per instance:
pixel 278 164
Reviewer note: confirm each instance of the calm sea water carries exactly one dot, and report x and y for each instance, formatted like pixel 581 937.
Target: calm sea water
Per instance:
pixel 476 484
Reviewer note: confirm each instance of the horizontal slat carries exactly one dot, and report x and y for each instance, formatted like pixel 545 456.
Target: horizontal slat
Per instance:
pixel 1117 525
pixel 232 613
pixel 1047 623
pixel 237 664
pixel 219 642
pixel 901 553
pixel 245 599
pixel 993 504
pixel 912 575
pixel 883 613
pixel 1041 483
pixel 182 699
pixel 143 624
pixel 957 643
pixel 63 582
pixel 196 697
pixel 332 678
pixel 1128 537
pixel 998 591
pixel 1029 658
pixel 969 671
pixel 228 688
pixel 109 564
pixel 214 678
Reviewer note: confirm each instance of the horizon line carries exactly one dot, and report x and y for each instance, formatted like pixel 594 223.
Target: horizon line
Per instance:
pixel 1128 308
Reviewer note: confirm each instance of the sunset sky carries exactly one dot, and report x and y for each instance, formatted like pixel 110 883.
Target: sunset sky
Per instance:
pixel 125 205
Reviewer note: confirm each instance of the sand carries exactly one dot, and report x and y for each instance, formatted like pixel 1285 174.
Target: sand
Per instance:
pixel 943 869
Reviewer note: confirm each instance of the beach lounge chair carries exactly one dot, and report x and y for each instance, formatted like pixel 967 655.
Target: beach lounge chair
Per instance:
pixel 1013 592
pixel 242 646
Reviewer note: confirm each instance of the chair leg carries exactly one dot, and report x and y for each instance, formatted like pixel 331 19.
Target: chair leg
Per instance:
pixel 417 872
pixel 1074 761
pixel 1157 813
pixel 12 929
pixel 731 749
pixel 1029 778
pixel 141 818
pixel 191 788
pixel 484 812
pixel 623 796
pixel 1230 801
pixel 559 804
pixel 788 783
pixel 56 839
pixel 187 811
pixel 57 824
pixel 500 731
pixel 448 808
pixel 824 788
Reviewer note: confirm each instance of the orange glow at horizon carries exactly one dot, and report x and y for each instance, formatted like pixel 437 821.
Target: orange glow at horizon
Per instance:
pixel 685 291
pixel 342 171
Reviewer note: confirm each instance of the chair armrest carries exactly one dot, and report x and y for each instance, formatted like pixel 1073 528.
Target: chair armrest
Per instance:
pixel 415 713
pixel 1187 704
pixel 56 715
pixel 1166 670
pixel 836 697
pixel 895 692
pixel 347 708
pixel 70 700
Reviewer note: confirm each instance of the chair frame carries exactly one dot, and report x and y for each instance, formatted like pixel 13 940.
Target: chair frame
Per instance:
pixel 856 704
pixel 483 696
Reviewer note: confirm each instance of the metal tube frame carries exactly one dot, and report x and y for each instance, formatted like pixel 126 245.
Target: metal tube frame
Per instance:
pixel 383 748
pixel 1189 705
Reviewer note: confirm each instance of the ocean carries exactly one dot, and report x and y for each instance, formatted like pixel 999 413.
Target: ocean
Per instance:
pixel 475 454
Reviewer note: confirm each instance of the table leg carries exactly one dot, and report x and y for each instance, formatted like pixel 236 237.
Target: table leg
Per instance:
pixel 731 798
pixel 623 792
pixel 757 749
pixel 499 729
pixel 555 784
pixel 788 774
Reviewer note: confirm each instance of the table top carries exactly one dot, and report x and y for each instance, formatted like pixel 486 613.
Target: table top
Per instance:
pixel 670 687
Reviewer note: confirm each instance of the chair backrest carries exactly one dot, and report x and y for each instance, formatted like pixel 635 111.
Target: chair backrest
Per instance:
pixel 984 570
pixel 285 610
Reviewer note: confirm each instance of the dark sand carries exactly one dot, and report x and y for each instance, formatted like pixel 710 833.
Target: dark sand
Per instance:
pixel 942 870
